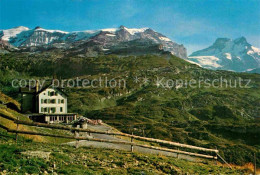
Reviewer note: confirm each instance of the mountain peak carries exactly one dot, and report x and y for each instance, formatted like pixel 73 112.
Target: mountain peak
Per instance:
pixel 37 27
pixel 222 40
pixel 220 43
pixel 122 27
pixel 240 40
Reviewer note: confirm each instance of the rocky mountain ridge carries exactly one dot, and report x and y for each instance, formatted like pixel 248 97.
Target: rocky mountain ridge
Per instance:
pixel 118 39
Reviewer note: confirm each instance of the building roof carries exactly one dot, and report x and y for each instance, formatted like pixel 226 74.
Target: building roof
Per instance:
pixel 32 90
pixel 50 85
pixel 29 90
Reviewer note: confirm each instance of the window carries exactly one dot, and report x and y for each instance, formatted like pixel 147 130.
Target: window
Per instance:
pixel 52 93
pixel 62 101
pixel 58 101
pixel 41 101
pixel 45 101
pixel 61 109
pixel 45 109
pixel 53 101
pixel 53 110
pixel 42 109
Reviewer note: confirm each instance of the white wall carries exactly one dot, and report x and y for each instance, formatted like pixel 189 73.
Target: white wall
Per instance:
pixel 44 95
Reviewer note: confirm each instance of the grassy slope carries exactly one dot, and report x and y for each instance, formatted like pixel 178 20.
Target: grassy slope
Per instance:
pixel 68 160
pixel 14 114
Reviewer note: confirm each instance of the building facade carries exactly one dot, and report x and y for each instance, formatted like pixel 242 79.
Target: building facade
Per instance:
pixel 48 105
pixel 51 101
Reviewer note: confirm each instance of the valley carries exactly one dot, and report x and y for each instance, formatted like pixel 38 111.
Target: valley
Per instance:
pixel 226 118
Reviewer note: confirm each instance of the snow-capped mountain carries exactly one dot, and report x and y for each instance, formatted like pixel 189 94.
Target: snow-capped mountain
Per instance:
pixel 10 33
pixel 227 54
pixel 106 39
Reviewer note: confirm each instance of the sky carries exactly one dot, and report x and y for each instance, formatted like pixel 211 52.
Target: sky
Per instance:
pixel 194 23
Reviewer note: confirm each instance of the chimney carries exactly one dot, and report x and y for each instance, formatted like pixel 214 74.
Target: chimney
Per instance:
pixel 54 78
pixel 37 86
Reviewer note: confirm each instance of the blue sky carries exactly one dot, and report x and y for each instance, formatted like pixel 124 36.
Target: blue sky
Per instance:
pixel 194 23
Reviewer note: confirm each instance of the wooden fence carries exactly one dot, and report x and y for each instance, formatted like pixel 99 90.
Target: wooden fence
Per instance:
pixel 213 152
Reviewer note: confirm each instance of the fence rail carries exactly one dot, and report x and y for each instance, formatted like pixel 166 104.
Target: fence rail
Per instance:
pixel 29 123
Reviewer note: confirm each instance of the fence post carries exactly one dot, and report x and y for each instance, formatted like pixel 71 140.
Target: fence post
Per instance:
pixel 216 160
pixel 76 134
pixel 17 127
pixel 224 161
pixel 132 146
pixel 254 164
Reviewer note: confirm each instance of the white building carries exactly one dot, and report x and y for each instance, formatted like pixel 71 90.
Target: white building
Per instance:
pixel 51 100
pixel 48 105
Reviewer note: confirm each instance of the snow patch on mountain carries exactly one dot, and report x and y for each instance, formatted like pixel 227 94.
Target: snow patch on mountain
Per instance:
pixel 228 56
pixel 108 34
pixel 50 31
pixel 164 38
pixel 111 30
pixel 80 35
pixel 134 30
pixel 254 50
pixel 206 61
pixel 192 62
